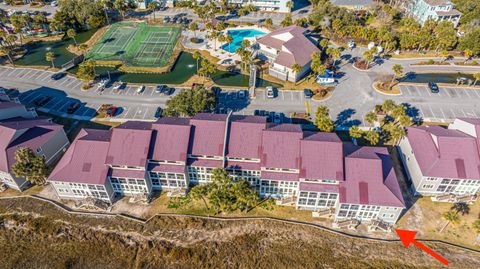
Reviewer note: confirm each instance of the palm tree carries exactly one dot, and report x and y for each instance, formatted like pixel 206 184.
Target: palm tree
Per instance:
pixel 229 40
pixel 461 208
pixel 152 6
pixel 355 133
pixel 296 68
pixel 71 33
pixel 397 72
pixel 7 50
pixel 268 22
pixel 287 21
pixel 368 55
pixel 290 5
pixel 324 43
pixel 370 118
pixel 106 4
pixel 451 217
pixel 193 27
pixel 468 53
pixel 246 43
pixel 50 57
pixel 476 76
pixel 196 55
pixel 372 137
pixel 83 47
pixel 334 53
pixel 206 68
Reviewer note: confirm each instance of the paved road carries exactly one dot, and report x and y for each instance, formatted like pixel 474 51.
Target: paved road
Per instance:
pixel 352 98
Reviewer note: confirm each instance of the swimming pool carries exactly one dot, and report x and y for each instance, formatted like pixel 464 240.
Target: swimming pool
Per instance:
pixel 238 36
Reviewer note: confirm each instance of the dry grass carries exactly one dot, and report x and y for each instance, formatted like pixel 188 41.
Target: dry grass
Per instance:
pixel 54 239
pixel 426 217
pixel 395 90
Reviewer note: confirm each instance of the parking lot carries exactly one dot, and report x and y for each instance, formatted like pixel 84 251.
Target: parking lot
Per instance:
pixel 448 103
pixel 65 91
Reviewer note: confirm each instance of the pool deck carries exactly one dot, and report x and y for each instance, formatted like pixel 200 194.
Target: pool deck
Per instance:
pixel 218 52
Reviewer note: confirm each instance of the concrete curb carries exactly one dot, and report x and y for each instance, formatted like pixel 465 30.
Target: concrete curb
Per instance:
pixel 302 223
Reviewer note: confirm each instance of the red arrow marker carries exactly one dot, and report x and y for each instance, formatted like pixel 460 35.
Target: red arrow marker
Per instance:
pixel 408 237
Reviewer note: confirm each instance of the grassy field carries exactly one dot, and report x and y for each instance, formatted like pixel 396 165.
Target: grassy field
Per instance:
pixel 35 234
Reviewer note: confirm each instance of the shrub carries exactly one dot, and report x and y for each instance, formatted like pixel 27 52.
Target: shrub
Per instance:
pixel 196 40
pixel 474 62
pixel 430 61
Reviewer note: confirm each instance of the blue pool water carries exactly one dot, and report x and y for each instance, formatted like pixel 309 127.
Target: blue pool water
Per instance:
pixel 238 36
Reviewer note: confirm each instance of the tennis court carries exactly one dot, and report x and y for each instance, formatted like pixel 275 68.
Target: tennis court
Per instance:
pixel 136 44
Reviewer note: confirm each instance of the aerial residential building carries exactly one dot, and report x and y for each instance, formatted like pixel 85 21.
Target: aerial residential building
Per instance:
pixel 285 47
pixel 438 10
pixel 45 138
pixel 354 4
pixel 10 107
pixel 82 172
pixel 167 165
pixel 310 170
pixel 265 5
pixel 443 161
pixel 207 146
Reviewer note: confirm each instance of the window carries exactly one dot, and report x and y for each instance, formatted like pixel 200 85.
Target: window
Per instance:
pixel 427 186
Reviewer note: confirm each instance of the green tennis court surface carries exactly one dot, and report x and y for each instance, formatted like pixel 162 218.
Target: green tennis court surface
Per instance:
pixel 136 44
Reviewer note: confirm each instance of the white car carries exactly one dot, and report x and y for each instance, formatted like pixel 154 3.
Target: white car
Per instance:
pixel 54 3
pixel 103 83
pixel 140 89
pixel 270 93
pixel 118 86
pixel 241 94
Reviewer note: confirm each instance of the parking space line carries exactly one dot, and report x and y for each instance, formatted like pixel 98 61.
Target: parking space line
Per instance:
pixel 9 72
pixel 65 80
pixel 3 70
pixel 30 98
pixel 46 77
pixel 19 72
pixel 35 75
pixel 68 85
pixel 476 92
pixel 431 111
pixel 453 113
pixel 29 71
pixel 443 113
pixel 421 111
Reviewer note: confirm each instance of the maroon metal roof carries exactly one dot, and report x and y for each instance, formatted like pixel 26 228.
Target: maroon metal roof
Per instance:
pixel 318 187
pixel 207 135
pixel 281 146
pixel 322 157
pixel 279 176
pixel 370 178
pixel 168 168
pixel 296 49
pixel 170 142
pixel 29 133
pixel 205 163
pixel 84 161
pixel 245 137
pixel 127 173
pixel 243 165
pixel 445 153
pixel 129 147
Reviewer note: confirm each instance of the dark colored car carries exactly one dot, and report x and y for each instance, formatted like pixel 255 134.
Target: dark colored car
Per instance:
pixel 111 111
pixel 57 76
pixel 73 107
pixel 307 93
pixel 42 100
pixel 158 112
pixel 169 91
pixel 433 87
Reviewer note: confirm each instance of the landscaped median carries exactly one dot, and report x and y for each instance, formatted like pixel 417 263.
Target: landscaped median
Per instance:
pixel 384 88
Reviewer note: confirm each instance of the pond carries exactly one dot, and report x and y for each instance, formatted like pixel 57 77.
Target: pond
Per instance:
pixel 435 77
pixel 183 69
pixel 36 51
